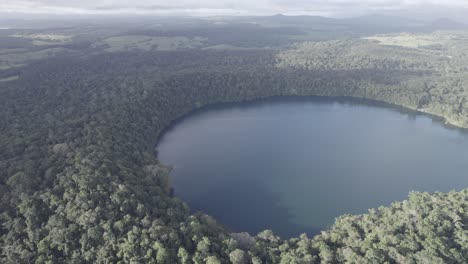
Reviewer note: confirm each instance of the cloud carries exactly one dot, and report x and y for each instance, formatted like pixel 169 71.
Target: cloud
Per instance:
pixel 221 7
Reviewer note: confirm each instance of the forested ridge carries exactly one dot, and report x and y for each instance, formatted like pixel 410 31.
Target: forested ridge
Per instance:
pixel 79 181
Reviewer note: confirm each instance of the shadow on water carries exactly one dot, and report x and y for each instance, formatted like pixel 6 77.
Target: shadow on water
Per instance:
pixel 241 202
pixel 249 208
pixel 292 99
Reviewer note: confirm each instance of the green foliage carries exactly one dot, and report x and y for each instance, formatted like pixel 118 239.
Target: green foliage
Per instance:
pixel 416 77
pixel 79 182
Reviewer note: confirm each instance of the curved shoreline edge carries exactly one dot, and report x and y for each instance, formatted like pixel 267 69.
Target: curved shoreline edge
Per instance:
pixel 339 99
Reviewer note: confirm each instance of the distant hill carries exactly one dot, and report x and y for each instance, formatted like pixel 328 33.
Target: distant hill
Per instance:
pixel 446 24
pixel 387 21
pixel 281 19
pixel 367 23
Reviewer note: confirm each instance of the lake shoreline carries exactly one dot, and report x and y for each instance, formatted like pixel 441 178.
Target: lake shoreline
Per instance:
pixel 240 124
pixel 339 99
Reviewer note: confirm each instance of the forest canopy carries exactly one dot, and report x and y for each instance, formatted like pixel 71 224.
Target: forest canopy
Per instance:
pixel 81 109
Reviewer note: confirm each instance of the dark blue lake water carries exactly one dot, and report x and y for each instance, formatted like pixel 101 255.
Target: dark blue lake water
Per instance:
pixel 293 165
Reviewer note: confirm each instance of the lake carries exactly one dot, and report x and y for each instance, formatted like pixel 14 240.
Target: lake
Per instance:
pixel 293 165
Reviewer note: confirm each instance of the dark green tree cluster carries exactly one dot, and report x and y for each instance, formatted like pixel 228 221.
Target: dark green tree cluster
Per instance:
pixel 79 182
pixel 437 84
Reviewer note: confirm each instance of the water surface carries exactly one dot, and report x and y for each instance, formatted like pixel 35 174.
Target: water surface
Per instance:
pixel 293 165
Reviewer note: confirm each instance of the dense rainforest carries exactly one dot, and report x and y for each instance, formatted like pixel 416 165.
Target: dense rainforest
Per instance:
pixel 80 183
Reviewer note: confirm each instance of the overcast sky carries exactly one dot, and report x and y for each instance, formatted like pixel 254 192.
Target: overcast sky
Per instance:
pixel 335 8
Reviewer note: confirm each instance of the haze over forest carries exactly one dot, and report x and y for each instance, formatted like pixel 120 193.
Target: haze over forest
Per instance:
pixel 420 9
pixel 87 89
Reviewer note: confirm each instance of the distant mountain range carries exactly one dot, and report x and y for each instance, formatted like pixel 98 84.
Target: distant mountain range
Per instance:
pixel 445 23
pixel 372 22
pixel 389 22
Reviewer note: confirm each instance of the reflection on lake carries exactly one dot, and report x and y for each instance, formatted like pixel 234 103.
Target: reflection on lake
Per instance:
pixel 293 165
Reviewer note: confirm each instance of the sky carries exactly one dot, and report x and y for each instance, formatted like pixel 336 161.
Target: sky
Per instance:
pixel 332 8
